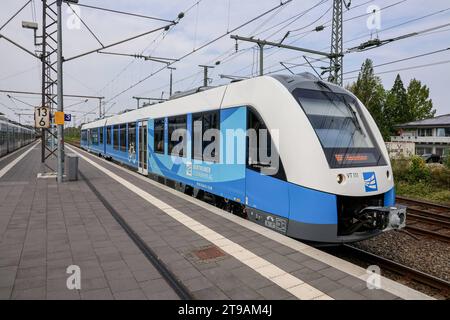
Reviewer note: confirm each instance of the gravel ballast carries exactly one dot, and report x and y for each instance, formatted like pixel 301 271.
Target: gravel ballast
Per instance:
pixel 427 255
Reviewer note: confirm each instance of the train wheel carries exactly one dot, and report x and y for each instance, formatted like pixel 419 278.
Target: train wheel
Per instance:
pixel 188 190
pixel 180 186
pixel 197 193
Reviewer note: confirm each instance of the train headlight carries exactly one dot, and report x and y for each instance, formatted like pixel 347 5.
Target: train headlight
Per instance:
pixel 388 174
pixel 340 178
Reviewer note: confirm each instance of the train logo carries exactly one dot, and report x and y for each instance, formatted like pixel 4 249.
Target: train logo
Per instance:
pixel 370 181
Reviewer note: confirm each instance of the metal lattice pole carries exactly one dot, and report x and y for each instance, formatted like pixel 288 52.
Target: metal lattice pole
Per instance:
pixel 336 69
pixel 49 71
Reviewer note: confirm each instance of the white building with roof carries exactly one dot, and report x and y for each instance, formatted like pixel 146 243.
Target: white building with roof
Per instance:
pixel 429 135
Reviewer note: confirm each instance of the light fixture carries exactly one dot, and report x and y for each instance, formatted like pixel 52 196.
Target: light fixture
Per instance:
pixel 340 178
pixel 29 25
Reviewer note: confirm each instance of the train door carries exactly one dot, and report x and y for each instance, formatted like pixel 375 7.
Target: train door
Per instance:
pixel 88 139
pixel 267 193
pixel 142 143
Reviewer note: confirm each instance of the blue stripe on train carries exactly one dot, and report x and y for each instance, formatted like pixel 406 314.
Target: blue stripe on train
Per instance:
pixel 389 198
pixel 289 200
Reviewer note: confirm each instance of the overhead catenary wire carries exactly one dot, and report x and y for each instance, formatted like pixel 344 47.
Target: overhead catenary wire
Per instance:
pixel 15 14
pixel 119 42
pixel 131 62
pixel 87 27
pixel 314 22
pixel 196 25
pixel 21 101
pixel 232 54
pixel 408 68
pixel 278 49
pixel 327 24
pixel 387 63
pixel 124 13
pixel 373 44
pixel 162 35
pixel 201 47
pixel 294 18
pixel 294 41
pixel 19 73
pixel 8 108
pixel 228 57
pixel 389 28
pixel 403 59
pixel 400 24
pixel 263 23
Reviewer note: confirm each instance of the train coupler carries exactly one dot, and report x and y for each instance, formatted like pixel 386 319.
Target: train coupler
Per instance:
pixel 383 218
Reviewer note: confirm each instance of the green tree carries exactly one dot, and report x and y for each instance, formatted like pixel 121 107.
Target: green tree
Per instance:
pixel 369 89
pixel 419 102
pixel 396 107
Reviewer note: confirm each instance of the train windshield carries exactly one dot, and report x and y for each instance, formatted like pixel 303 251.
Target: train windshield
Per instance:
pixel 341 128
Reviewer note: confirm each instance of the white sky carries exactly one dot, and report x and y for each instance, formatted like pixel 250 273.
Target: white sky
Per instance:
pixel 97 74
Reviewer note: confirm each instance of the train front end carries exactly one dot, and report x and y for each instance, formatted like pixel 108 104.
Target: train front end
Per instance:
pixel 348 175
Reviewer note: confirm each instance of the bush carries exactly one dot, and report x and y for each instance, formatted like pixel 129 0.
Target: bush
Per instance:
pixel 440 175
pixel 446 162
pixel 418 170
pixel 400 168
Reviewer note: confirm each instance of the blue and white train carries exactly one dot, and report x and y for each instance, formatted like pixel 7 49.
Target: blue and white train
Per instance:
pixel 332 182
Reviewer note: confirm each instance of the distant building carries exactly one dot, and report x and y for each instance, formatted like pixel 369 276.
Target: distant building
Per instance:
pixel 429 135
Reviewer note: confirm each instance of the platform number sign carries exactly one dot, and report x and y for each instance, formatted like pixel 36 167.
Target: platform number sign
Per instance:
pixel 42 117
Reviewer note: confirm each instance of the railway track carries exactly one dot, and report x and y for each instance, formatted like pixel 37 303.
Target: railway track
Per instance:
pixel 427 218
pixel 407 274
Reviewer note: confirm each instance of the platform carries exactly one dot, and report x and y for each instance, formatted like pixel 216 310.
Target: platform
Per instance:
pixel 46 227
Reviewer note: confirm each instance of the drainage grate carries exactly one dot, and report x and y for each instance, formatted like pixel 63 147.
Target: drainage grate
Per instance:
pixel 209 253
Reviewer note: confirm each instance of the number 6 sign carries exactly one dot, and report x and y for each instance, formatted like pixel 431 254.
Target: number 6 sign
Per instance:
pixel 42 117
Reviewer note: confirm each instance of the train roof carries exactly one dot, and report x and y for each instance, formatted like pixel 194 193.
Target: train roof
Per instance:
pixel 201 100
pixel 4 120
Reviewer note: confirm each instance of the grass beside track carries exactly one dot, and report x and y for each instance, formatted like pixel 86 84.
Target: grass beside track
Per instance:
pixel 423 191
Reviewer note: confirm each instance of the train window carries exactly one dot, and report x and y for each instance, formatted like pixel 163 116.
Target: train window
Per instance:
pixel 100 136
pixel 206 137
pixel 176 133
pixel 159 135
pixel 131 137
pixel 115 137
pixel 2 134
pixel 123 137
pixel 94 136
pixel 108 135
pixel 262 155
pixel 345 136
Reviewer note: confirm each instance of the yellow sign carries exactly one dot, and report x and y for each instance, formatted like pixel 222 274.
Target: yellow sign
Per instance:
pixel 59 117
